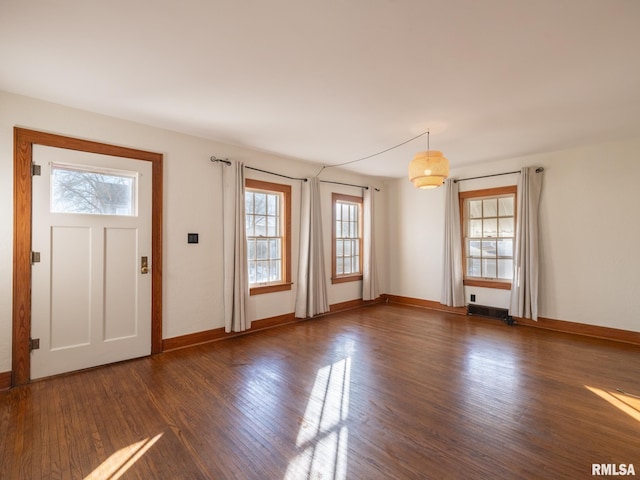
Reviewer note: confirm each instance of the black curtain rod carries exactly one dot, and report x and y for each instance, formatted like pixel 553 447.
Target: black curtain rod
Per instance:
pixel 348 184
pixel 276 174
pixel 228 162
pixel 538 170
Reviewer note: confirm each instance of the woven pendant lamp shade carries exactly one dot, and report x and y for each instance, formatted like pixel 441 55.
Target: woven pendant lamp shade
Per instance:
pixel 428 169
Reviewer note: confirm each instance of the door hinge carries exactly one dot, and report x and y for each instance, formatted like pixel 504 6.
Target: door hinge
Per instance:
pixel 35 169
pixel 35 257
pixel 34 344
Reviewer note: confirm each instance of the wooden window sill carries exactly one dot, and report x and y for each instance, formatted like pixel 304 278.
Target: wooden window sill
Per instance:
pixel 281 287
pixel 349 278
pixel 487 284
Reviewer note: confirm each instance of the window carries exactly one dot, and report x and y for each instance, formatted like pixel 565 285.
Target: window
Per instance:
pixel 268 227
pixel 488 230
pixel 347 238
pixel 91 190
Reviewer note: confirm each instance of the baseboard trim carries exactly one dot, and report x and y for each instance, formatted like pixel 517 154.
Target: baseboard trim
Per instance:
pixel 207 336
pixel 595 331
pixel 430 304
pixel 215 334
pixel 575 328
pixel 5 380
pixel 351 304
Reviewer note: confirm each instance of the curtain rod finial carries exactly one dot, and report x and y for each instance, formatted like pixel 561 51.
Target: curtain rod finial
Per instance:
pixel 216 159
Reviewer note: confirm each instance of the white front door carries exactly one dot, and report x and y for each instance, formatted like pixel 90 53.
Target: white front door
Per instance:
pixel 91 224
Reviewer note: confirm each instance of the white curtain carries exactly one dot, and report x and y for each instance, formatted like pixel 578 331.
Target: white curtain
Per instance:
pixel 524 289
pixel 452 275
pixel 236 283
pixel 369 274
pixel 311 297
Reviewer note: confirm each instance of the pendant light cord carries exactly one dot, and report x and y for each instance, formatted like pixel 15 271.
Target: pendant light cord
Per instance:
pixel 377 153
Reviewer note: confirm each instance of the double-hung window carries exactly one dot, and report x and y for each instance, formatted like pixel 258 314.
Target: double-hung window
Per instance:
pixel 268 229
pixel 347 238
pixel 488 230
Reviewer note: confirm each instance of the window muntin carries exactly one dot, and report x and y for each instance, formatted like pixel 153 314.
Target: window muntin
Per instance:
pixel 488 218
pixel 92 190
pixel 268 230
pixel 347 238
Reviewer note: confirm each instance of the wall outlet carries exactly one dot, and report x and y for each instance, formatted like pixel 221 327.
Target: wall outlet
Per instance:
pixel 473 297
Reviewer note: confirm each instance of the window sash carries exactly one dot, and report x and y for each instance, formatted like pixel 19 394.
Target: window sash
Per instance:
pixel 268 231
pixel 488 236
pixel 347 238
pixel 264 236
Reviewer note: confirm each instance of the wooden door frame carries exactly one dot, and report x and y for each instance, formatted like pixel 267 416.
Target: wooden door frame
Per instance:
pixel 24 139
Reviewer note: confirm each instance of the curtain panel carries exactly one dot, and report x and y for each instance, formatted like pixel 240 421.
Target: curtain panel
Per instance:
pixel 311 294
pixel 524 289
pixel 452 275
pixel 236 282
pixel 370 290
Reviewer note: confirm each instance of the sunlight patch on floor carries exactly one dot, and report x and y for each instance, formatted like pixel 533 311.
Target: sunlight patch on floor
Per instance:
pixel 118 463
pixel 323 438
pixel 627 403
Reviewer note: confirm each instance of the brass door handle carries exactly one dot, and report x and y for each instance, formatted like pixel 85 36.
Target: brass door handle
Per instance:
pixel 144 265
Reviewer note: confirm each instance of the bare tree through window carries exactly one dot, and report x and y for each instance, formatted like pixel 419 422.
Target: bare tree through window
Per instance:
pixel 90 191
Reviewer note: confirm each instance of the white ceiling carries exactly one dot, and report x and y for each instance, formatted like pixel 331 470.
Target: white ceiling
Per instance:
pixel 330 81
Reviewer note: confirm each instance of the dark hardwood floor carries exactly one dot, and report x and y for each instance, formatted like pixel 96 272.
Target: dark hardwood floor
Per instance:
pixel 382 392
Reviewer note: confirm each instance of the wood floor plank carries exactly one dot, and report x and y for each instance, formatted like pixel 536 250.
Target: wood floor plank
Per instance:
pixel 381 392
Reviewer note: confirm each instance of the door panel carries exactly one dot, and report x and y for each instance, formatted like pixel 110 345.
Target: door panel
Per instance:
pixel 70 288
pixel 90 304
pixel 121 278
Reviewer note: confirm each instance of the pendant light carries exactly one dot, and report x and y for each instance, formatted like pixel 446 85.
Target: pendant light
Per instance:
pixel 428 169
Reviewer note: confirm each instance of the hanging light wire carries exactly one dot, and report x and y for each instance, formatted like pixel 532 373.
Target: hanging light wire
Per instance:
pixel 375 154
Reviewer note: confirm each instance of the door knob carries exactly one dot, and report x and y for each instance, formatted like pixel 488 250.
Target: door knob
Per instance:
pixel 144 265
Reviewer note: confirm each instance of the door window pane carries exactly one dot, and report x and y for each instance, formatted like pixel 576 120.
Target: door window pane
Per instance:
pixel 88 190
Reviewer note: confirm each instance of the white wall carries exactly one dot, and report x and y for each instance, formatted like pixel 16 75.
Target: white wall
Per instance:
pixel 416 241
pixel 589 225
pixel 192 203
